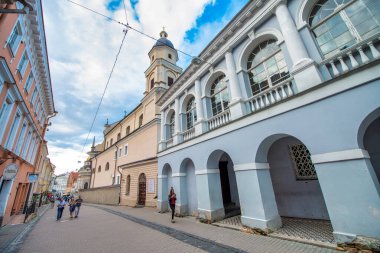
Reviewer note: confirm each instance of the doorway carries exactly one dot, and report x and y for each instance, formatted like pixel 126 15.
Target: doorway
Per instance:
pixel 142 189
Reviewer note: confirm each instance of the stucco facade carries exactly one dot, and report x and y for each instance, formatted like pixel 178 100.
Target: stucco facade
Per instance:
pixel 273 123
pixel 26 104
pixel 129 157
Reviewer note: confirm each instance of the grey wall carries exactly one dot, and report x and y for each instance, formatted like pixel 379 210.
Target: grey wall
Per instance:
pixel 295 198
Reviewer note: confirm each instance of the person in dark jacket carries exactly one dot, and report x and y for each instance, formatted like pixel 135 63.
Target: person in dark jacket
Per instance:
pixel 172 199
pixel 78 203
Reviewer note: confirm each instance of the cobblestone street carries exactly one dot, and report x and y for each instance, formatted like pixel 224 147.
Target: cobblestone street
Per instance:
pixel 121 229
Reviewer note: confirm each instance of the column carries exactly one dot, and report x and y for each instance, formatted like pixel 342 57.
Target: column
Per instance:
pixel 162 198
pixel 351 191
pixel 236 105
pixel 176 136
pixel 209 195
pixel 161 144
pixel 200 125
pixel 179 185
pixel 304 70
pixel 257 197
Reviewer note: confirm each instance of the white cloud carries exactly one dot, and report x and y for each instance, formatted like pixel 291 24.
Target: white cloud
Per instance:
pixel 82 48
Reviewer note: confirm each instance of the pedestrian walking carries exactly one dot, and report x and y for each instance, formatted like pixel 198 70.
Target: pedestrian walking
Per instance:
pixel 60 207
pixel 72 207
pixel 172 199
pixel 78 203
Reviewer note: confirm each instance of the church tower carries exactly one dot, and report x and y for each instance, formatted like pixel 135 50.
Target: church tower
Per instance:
pixel 163 70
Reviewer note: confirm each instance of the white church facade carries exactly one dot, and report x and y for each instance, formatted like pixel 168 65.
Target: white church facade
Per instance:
pixel 279 116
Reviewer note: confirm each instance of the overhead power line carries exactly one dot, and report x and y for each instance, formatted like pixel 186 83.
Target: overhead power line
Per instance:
pixel 105 88
pixel 196 59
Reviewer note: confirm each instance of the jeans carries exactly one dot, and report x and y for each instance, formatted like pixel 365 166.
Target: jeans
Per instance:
pixel 173 209
pixel 59 212
pixel 77 211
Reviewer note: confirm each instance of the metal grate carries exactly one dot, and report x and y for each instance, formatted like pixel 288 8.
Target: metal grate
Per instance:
pixel 304 167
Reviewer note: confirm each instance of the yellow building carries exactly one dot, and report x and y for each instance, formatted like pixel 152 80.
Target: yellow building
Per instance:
pixel 129 154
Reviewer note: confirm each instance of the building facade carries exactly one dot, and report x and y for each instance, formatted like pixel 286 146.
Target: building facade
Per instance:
pixel 129 157
pixel 84 175
pixel 60 184
pixel 26 104
pixel 279 116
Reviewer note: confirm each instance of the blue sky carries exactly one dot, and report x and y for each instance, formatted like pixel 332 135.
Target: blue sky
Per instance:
pixel 82 47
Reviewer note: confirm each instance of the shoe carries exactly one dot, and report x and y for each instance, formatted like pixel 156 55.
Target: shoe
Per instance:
pixel 76 217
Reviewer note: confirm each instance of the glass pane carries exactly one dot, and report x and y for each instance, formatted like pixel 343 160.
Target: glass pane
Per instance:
pixel 343 39
pixel 328 47
pixel 338 30
pixel 272 69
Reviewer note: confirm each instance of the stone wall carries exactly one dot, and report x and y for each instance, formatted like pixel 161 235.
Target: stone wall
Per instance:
pixel 108 195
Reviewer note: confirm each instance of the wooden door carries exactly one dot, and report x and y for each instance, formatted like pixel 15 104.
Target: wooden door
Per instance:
pixel 142 189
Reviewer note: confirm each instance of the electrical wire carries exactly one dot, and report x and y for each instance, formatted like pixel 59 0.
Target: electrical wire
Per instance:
pixel 105 88
pixel 136 30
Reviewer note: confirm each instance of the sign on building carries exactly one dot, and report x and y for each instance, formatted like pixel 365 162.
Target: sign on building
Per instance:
pixel 151 185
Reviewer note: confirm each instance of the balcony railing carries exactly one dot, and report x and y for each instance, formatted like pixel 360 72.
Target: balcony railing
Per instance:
pixel 219 120
pixel 353 57
pixel 188 134
pixel 271 96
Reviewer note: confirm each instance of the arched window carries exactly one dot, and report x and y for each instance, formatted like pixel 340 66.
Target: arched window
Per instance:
pixel 107 166
pixel 128 186
pixel 99 168
pixel 191 113
pixel 111 142
pixel 85 185
pixel 141 120
pixel 128 131
pixel 219 95
pixel 118 136
pixel 171 125
pixel 266 66
pixel 339 24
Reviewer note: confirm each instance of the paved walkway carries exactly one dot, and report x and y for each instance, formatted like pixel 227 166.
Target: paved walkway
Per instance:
pixel 235 239
pixel 101 228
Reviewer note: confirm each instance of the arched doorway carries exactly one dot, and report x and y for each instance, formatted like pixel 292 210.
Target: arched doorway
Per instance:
pixel 371 143
pixel 142 189
pixel 295 181
pixel 85 185
pixel 191 198
pixel 229 191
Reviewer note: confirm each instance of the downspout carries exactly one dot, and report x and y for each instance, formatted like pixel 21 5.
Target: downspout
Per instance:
pixel 114 171
pixel 96 163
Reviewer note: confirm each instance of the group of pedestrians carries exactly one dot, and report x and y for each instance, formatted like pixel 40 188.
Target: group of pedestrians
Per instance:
pixel 74 207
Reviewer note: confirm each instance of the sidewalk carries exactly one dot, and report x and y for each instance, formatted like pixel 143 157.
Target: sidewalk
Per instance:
pixel 10 233
pixel 236 239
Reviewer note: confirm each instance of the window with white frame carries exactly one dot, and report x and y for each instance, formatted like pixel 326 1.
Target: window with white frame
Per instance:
pixel 22 64
pixel 13 131
pixel 14 39
pixel 172 125
pixel 29 82
pixel 31 147
pixel 266 66
pixel 27 143
pixel 21 138
pixel 5 111
pixel 34 155
pixel 339 24
pixel 191 113
pixel 34 95
pixel 219 95
pixel 126 150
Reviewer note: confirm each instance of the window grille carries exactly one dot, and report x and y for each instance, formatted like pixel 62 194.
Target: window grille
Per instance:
pixel 304 167
pixel 219 96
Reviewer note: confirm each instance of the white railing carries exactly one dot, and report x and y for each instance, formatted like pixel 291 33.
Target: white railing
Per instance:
pixel 271 96
pixel 353 57
pixel 219 120
pixel 188 134
pixel 169 143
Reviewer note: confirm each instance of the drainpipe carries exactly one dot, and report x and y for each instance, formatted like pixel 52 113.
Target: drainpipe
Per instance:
pixel 114 171
pixel 121 179
pixel 96 163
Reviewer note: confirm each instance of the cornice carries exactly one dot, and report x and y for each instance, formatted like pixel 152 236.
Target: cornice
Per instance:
pixel 224 40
